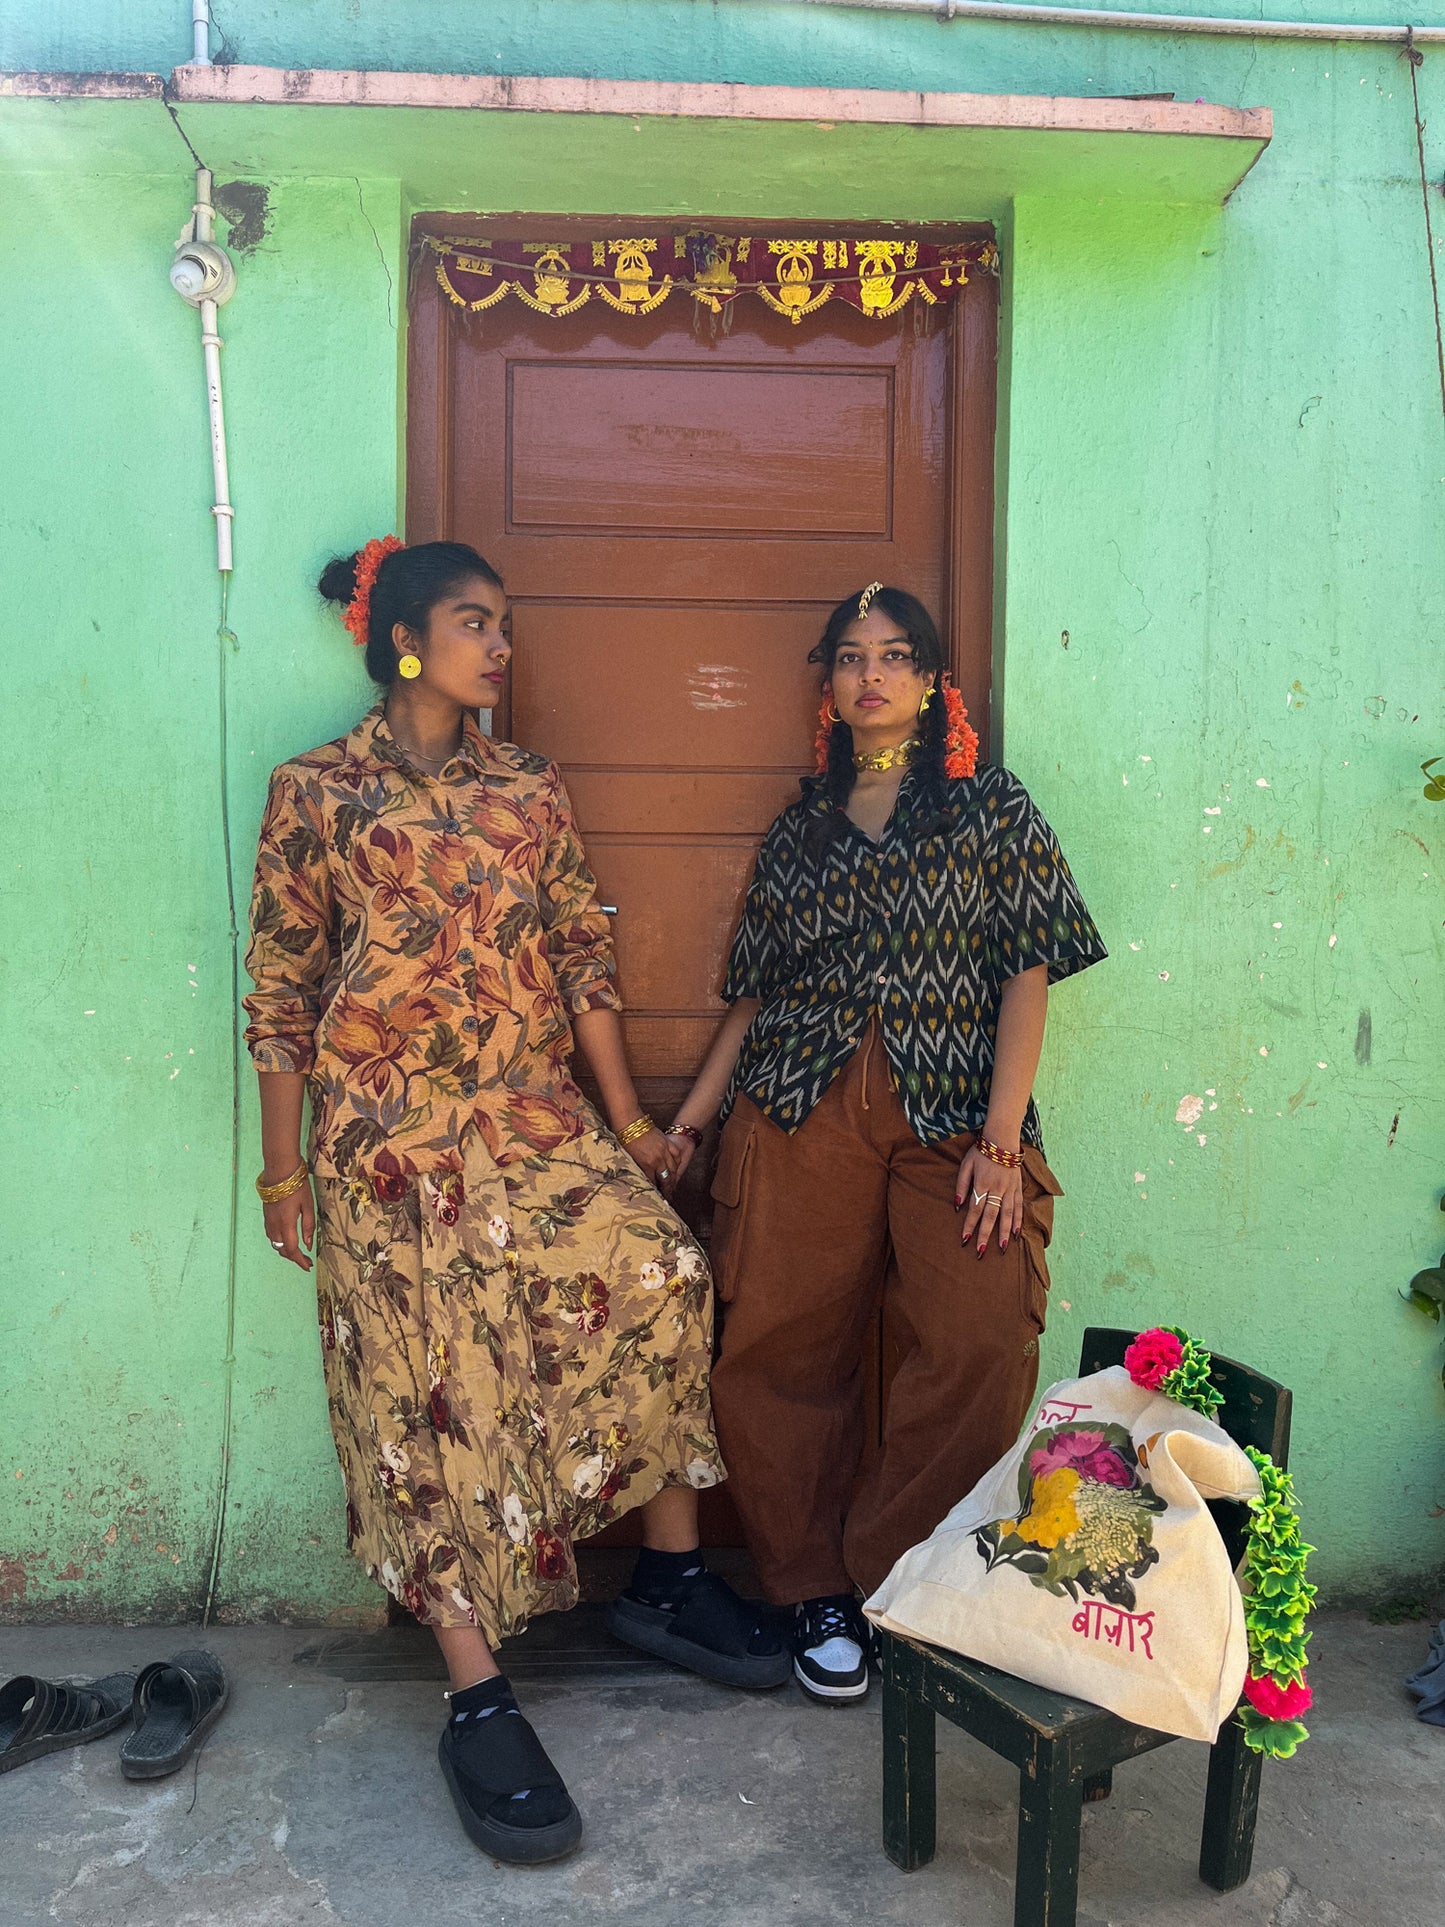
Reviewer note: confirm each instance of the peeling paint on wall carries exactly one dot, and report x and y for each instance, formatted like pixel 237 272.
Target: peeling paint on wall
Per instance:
pixel 246 206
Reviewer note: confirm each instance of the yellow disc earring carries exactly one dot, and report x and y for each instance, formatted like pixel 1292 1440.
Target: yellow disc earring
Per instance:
pixel 410 667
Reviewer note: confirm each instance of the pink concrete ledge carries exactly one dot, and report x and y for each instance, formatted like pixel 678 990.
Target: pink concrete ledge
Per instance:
pixel 113 86
pixel 637 99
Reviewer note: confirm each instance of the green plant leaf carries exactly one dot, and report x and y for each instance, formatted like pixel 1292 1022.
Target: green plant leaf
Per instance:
pixel 1421 1302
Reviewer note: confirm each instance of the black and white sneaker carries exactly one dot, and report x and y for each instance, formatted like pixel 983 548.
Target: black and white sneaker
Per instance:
pixel 830 1649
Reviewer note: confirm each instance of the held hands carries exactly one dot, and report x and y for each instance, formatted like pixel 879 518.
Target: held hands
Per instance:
pixel 991 1199
pixel 659 1156
pixel 684 1143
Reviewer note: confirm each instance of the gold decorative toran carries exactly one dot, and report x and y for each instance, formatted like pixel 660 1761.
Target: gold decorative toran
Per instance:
pixel 878 275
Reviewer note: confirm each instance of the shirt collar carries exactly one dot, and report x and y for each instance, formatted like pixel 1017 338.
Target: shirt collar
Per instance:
pixel 816 797
pixel 373 741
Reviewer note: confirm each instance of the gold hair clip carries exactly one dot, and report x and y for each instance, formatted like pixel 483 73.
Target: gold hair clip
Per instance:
pixel 866 599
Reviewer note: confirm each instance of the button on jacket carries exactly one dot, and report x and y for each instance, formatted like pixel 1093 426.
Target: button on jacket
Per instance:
pixel 417 946
pixel 921 929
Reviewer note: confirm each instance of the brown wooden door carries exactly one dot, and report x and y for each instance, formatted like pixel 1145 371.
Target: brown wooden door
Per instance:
pixel 674 516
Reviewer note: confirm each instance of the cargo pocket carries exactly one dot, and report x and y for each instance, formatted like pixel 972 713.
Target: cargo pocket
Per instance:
pixel 1041 1187
pixel 729 1196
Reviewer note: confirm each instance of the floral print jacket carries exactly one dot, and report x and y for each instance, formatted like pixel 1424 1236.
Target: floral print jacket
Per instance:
pixel 417 944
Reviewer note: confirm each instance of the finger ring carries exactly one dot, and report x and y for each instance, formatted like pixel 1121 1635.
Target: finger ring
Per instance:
pixel 978 1197
pixel 995 1197
pixel 278 1244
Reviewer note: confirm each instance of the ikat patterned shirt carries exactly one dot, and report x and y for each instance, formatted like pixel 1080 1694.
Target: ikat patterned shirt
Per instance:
pixel 417 945
pixel 920 930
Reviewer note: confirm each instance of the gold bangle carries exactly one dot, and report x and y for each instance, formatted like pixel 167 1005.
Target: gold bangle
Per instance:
pixel 274 1193
pixel 639 1127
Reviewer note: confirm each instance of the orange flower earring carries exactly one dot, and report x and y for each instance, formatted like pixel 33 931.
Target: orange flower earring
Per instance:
pixel 410 667
pixel 961 742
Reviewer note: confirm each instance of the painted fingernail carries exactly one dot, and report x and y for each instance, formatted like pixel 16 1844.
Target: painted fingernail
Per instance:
pixel 958 1204
pixel 1003 1244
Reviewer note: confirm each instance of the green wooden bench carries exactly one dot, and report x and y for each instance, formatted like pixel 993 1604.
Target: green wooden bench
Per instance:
pixel 1066 1749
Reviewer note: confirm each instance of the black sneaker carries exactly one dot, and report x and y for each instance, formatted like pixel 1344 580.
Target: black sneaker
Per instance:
pixel 830 1649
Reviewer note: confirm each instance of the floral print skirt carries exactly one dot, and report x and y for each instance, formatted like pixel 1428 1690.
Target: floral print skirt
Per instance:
pixel 514 1358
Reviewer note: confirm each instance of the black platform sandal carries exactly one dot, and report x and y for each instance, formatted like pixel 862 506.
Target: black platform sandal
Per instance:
pixel 710 1631
pixel 487 1775
pixel 177 1702
pixel 39 1716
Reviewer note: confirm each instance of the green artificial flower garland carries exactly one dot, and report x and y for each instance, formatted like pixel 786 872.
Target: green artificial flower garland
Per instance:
pixel 1190 1382
pixel 1277 1597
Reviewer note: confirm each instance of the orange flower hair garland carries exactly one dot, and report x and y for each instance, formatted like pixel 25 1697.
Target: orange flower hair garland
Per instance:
pixel 368 561
pixel 960 742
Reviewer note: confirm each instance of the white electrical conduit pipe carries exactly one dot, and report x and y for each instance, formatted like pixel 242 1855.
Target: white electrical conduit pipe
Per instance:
pixel 1044 16
pixel 203 274
pixel 200 33
pixel 211 348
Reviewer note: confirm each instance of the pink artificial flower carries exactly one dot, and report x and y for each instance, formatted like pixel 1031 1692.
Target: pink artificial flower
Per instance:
pixel 1084 1451
pixel 1278 1702
pixel 1152 1357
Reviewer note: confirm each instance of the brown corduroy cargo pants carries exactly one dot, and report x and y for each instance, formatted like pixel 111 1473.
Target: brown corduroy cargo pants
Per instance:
pixel 804 1232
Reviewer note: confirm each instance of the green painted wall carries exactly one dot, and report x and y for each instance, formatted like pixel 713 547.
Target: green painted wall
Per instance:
pixel 1221 479
pixel 116 990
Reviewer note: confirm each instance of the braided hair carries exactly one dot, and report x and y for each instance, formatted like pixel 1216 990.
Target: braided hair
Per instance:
pixel 927 766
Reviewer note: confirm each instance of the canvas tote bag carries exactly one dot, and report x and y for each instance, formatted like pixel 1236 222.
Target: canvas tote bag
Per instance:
pixel 1085 1561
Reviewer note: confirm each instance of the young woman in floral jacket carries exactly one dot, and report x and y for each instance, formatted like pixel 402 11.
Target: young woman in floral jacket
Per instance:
pixel 516 1328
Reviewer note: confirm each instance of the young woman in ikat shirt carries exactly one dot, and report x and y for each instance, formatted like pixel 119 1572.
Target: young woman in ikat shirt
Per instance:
pixel 889 985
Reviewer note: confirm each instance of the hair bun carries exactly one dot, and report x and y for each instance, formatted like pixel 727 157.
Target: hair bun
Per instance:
pixel 338 578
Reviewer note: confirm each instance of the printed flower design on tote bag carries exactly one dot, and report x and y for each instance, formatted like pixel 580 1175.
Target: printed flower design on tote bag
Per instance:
pixel 1085 1523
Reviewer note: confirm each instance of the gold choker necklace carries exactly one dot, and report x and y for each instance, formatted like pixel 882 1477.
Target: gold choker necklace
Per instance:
pixel 886 758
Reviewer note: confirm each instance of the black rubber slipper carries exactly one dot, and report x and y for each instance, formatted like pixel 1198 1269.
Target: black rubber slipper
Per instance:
pixel 712 1633
pixel 177 1702
pixel 482 1777
pixel 39 1716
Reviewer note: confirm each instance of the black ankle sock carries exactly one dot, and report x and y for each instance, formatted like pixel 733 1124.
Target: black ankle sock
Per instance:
pixel 478 1702
pixel 473 1712
pixel 663 1578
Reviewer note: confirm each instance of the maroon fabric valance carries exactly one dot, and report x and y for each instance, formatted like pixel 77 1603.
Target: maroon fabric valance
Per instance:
pixel 878 276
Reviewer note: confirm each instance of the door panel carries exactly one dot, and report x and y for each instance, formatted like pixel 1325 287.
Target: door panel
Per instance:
pixel 684 451
pixel 674 516
pixel 725 685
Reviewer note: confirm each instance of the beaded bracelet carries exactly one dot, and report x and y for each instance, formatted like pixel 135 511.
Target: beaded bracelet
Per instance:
pixel 689 1131
pixel 995 1153
pixel 274 1193
pixel 639 1127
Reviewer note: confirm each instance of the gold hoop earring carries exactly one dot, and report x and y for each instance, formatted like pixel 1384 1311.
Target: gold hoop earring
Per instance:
pixel 410 667
pixel 927 699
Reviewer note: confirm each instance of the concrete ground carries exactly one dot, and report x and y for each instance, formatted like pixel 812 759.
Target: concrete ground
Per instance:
pixel 318 1799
